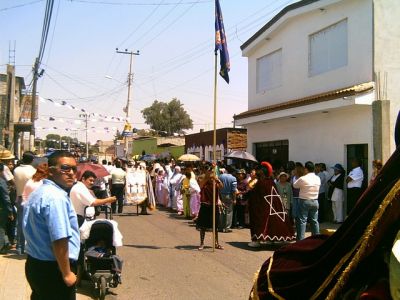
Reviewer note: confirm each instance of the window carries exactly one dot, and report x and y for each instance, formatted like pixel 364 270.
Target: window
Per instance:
pixel 269 71
pixel 328 49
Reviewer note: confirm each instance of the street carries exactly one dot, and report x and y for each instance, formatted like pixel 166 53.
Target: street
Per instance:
pixel 161 260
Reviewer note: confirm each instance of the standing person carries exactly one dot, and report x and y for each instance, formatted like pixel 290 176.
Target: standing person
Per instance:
pixel 8 160
pixel 205 219
pixel 176 183
pixel 354 183
pixel 321 193
pixel 185 190
pixel 241 198
pixel 42 171
pixel 228 198
pixel 51 231
pixel 269 221
pixel 82 196
pixel 118 179
pixel 335 193
pixel 308 201
pixel 376 169
pixel 6 212
pixel 297 172
pixel 285 190
pixel 22 174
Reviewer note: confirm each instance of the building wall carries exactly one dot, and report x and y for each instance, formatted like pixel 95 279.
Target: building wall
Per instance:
pixel 386 54
pixel 316 137
pixel 148 145
pixel 293 37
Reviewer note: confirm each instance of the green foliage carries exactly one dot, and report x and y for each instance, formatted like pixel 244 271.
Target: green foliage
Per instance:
pixel 168 117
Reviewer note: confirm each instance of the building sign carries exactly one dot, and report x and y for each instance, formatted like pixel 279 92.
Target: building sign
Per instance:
pixel 26 109
pixel 127 130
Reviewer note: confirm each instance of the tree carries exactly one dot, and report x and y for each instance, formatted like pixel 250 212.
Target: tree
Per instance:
pixel 169 117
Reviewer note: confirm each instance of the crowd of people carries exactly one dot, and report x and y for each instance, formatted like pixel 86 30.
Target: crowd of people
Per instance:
pixel 275 205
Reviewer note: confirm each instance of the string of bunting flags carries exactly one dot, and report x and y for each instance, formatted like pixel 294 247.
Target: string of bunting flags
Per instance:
pixel 64 103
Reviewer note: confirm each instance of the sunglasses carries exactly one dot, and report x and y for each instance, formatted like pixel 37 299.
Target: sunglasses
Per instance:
pixel 66 168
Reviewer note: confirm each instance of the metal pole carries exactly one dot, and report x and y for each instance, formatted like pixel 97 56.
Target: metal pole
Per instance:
pixel 215 146
pixel 87 146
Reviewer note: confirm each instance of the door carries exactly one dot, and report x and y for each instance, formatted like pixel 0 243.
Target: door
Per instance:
pixel 359 151
pixel 275 152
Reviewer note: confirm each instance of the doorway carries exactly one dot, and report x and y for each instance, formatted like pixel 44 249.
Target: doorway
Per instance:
pixel 358 151
pixel 275 152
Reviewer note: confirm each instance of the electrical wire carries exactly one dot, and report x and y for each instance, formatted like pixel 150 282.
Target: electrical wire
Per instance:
pixel 139 3
pixel 20 5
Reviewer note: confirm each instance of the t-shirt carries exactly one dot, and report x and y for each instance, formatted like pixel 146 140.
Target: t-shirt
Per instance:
pixel 82 197
pixel 309 186
pixel 22 174
pixel 358 176
pixel 118 176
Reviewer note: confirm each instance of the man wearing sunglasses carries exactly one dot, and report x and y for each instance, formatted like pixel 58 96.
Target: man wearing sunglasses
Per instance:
pixel 51 231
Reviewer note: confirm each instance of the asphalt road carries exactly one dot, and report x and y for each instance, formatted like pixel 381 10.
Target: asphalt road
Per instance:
pixel 161 260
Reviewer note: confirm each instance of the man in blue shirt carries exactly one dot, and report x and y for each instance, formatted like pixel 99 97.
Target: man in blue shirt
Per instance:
pixel 228 199
pixel 51 230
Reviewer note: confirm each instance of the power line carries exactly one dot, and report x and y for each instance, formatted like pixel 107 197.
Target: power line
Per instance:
pixel 140 3
pixel 21 5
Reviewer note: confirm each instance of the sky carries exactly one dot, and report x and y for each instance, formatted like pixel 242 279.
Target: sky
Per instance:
pixel 176 43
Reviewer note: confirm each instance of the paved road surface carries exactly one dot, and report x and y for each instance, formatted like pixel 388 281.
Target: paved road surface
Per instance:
pixel 161 261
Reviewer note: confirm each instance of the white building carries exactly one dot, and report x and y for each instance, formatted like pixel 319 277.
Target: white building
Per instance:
pixel 317 73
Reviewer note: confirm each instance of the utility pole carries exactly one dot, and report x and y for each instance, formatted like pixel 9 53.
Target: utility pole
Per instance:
pixel 33 102
pixel 128 103
pixel 86 116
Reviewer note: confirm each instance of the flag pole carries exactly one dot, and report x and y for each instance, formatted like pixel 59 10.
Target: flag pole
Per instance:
pixel 215 145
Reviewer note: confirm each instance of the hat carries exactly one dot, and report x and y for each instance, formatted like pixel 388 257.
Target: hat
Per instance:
pixel 338 167
pixel 6 154
pixel 283 173
pixel 241 171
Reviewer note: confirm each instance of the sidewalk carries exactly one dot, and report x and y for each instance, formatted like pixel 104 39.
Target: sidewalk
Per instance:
pixel 13 284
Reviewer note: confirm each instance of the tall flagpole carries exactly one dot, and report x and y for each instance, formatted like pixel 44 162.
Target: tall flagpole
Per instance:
pixel 215 145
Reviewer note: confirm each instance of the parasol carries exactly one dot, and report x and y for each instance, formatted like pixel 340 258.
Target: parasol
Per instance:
pixel 239 154
pixel 189 157
pixel 97 169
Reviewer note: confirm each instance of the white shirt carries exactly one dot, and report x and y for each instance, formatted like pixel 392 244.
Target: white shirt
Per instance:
pixel 118 176
pixel 22 174
pixel 7 174
pixel 30 186
pixel 358 176
pixel 81 197
pixel 309 186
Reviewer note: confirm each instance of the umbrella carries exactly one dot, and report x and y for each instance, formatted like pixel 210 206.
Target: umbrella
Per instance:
pixel 239 154
pixel 97 169
pixel 189 157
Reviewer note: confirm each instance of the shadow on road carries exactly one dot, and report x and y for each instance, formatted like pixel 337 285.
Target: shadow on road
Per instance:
pixel 143 247
pixel 186 247
pixel 264 247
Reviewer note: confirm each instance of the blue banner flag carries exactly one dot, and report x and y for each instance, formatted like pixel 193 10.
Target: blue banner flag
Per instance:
pixel 220 43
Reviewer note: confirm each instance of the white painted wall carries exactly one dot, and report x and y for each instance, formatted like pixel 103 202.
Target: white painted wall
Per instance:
pixel 386 53
pixel 318 137
pixel 293 37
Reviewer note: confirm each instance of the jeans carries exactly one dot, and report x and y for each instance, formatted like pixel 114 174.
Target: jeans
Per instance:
pixel 308 210
pixel 227 214
pixel 20 233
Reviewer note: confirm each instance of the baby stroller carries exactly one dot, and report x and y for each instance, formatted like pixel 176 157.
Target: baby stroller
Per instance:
pixel 100 262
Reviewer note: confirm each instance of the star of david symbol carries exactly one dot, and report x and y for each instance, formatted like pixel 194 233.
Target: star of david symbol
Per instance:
pixel 272 211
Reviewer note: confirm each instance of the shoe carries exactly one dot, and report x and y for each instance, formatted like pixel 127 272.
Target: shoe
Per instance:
pixel 254 244
pixel 227 230
pixel 218 246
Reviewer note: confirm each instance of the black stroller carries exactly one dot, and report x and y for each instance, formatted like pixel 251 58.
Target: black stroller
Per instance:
pixel 100 262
